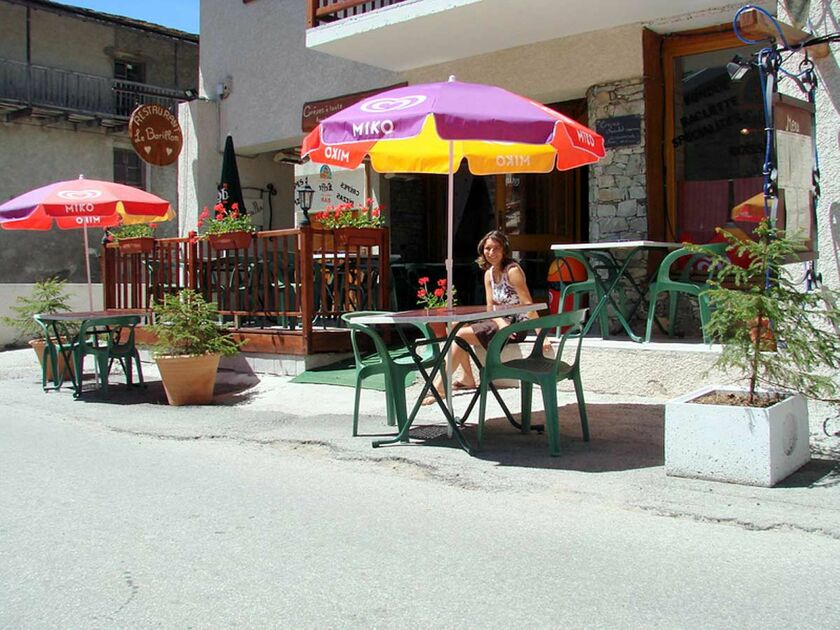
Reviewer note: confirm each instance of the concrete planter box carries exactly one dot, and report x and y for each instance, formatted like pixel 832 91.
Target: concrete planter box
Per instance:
pixel 748 445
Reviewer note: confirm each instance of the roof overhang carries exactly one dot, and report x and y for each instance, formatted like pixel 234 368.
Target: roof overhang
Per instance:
pixel 419 33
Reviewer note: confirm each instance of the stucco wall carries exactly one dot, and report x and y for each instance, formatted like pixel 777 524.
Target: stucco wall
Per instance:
pixel 261 46
pixel 824 17
pixel 80 46
pixel 264 107
pixel 200 167
pixel 551 71
pixel 72 43
pixel 34 152
pixel 10 292
pixel 40 155
pixel 12 36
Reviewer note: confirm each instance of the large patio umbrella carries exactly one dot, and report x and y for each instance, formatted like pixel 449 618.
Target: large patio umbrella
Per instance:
pixel 431 128
pixel 79 203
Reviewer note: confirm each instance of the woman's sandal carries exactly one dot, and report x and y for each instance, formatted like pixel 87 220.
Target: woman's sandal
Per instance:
pixel 462 386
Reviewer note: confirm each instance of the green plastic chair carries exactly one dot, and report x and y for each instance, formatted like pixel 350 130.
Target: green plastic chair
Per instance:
pixel 266 290
pixel 592 285
pixel 394 367
pixel 537 369
pixel 103 339
pixel 684 285
pixel 53 349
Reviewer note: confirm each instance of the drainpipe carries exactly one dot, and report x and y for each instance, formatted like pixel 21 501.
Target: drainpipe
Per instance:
pixel 29 55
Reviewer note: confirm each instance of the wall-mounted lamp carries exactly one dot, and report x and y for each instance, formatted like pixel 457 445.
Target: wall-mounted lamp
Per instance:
pixel 737 68
pixel 304 200
pixel 287 156
pixel 223 88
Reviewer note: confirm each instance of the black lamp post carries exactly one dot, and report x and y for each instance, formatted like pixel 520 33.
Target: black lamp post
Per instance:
pixel 304 198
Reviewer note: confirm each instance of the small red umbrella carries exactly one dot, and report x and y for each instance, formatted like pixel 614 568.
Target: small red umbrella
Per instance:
pixel 79 203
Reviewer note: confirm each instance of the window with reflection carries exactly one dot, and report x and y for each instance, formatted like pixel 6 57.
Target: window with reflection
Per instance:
pixel 718 141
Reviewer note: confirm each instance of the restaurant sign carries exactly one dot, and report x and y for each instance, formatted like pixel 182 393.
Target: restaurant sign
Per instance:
pixel 155 134
pixel 315 111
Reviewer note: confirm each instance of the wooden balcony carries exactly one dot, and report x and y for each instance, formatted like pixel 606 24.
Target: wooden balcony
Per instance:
pixel 327 11
pixel 285 292
pixel 56 94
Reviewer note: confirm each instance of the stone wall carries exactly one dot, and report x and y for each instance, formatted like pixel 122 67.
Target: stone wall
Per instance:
pixel 618 206
pixel 618 194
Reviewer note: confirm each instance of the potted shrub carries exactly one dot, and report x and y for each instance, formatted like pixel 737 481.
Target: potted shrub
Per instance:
pixel 226 228
pixel 47 296
pixel 137 238
pixel 189 345
pixel 785 344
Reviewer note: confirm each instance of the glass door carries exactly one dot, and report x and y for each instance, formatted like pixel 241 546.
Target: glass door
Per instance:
pixel 714 138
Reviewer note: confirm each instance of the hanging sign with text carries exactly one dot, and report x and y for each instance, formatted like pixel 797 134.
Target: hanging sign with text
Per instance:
pixel 315 111
pixel 620 131
pixel 793 120
pixel 155 134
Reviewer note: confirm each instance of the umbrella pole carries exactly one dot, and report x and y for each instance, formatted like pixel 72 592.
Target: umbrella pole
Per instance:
pixel 87 268
pixel 450 196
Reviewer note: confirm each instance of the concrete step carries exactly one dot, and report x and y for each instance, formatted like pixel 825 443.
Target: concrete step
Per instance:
pixel 658 370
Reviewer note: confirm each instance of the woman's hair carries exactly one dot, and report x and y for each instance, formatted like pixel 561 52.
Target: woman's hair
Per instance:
pixel 499 237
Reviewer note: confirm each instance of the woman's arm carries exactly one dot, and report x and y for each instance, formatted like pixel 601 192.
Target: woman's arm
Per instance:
pixel 516 278
pixel 488 289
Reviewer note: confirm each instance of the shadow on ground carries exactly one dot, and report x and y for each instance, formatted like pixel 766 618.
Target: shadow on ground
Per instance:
pixel 229 391
pixel 818 473
pixel 623 436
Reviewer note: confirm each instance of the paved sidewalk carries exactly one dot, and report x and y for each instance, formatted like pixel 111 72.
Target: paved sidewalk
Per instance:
pixel 621 466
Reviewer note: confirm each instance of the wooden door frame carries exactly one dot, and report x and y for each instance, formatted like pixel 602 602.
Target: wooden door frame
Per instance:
pixel 542 242
pixel 674 46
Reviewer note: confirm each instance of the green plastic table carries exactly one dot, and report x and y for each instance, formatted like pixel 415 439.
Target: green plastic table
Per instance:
pixel 455 318
pixel 633 249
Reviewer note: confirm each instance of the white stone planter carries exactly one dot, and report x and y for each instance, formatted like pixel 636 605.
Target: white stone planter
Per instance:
pixel 748 445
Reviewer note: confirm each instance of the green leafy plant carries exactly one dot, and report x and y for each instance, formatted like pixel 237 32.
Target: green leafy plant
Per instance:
pixel 774 333
pixel 136 230
pixel 348 215
pixel 222 220
pixel 47 296
pixel 185 324
pixel 436 297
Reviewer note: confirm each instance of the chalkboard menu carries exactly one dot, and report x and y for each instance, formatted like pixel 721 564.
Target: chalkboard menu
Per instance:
pixel 620 131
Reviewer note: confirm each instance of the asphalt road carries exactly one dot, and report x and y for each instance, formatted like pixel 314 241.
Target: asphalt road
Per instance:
pixel 102 528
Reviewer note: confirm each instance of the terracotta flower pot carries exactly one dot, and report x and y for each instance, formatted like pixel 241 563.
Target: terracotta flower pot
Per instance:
pixel 764 332
pixel 438 329
pixel 357 237
pixel 39 345
pixel 137 245
pixel 230 240
pixel 188 380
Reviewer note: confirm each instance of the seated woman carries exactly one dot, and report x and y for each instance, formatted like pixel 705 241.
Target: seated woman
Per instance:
pixel 504 283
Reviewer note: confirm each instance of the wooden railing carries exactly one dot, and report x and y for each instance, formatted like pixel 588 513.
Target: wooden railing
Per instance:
pixel 325 11
pixel 43 86
pixel 295 280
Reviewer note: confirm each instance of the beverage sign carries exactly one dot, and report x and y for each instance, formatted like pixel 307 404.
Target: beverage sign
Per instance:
pixel 620 131
pixel 155 134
